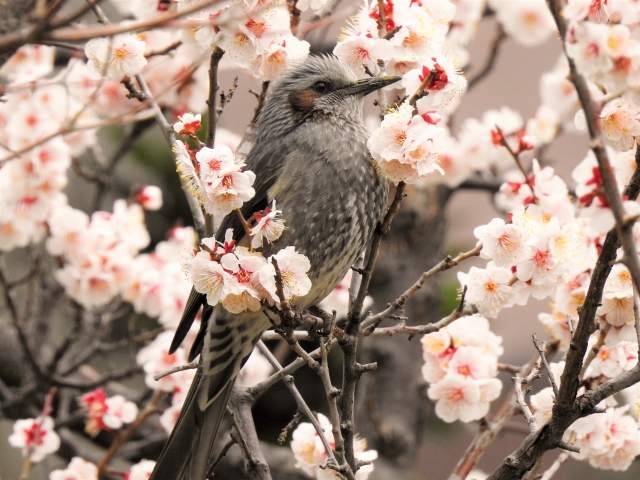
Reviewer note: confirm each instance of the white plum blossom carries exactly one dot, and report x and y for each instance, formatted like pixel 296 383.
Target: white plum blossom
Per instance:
pixel 338 299
pixel 119 411
pixel 116 56
pixel 268 226
pixel 608 440
pixel 315 5
pixel 281 52
pixel 542 405
pixel 462 398
pixel 620 121
pixel 557 324
pixel 529 22
pixel 245 285
pixel 503 243
pixel 157 285
pixel 544 125
pixel 448 82
pixel 226 186
pixel 617 298
pixel 97 255
pixel 407 146
pixel 141 470
pixel 588 48
pixel 594 10
pixel 293 268
pixel 612 361
pixel 155 358
pixel 310 454
pixel 106 413
pixel 36 437
pixel 149 198
pixel 461 365
pixel 209 277
pixel 78 469
pixel 360 51
pixel 29 63
pixel 489 289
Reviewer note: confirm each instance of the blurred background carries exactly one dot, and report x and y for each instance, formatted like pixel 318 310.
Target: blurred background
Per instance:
pixel 433 221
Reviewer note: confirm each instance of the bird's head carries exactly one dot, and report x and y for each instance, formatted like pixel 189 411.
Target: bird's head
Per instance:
pixel 321 86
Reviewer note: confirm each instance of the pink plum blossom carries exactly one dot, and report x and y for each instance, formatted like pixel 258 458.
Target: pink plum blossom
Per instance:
pixel 463 398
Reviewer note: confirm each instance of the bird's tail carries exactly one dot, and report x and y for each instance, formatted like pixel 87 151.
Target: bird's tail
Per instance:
pixel 186 456
pixel 225 345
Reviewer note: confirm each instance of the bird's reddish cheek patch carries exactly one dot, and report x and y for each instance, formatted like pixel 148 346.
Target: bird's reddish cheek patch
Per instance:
pixel 302 100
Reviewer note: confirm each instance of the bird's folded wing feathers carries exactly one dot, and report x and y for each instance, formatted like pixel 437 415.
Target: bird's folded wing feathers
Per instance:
pixel 266 162
pixel 194 303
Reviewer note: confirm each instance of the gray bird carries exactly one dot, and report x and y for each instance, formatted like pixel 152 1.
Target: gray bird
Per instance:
pixel 310 155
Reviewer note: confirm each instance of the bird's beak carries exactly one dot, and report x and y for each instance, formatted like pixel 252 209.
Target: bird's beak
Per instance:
pixel 368 85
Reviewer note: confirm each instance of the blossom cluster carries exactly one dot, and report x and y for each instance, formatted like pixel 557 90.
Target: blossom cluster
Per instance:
pixel 461 363
pixel 540 249
pixel 97 252
pixel 157 285
pixel 547 249
pixel 255 35
pixel 409 143
pixel 81 469
pixel 608 440
pixel 603 42
pixel 238 278
pixel 106 413
pixel 241 279
pixel 215 178
pixel 30 120
pixel 311 456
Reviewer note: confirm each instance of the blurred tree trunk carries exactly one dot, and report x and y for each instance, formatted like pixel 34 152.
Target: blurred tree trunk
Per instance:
pixel 392 399
pixel 13 15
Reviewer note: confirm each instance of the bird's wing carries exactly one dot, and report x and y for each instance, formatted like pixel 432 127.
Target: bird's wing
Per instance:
pixel 266 162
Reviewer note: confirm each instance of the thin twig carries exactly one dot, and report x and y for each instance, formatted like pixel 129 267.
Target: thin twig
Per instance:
pixel 199 221
pixel 331 393
pixel 289 426
pixel 425 83
pixel 498 39
pixel 124 436
pixel 563 457
pixel 243 222
pixel 595 349
pixel 302 405
pixel 531 419
pixel 489 429
pixel 442 266
pixel 220 456
pixel 240 440
pixel 189 366
pixel 540 350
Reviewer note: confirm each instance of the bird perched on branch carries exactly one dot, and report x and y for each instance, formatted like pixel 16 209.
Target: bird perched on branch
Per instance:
pixel 310 154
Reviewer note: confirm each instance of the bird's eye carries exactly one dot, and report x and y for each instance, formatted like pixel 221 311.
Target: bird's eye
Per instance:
pixel 320 87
